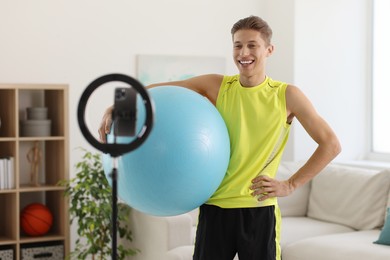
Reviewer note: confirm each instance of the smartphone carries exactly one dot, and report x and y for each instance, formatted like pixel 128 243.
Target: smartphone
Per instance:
pixel 125 111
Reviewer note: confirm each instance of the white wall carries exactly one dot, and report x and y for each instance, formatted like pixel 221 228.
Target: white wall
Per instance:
pixel 331 57
pixel 320 46
pixel 280 16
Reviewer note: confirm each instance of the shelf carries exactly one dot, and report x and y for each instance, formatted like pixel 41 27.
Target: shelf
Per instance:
pixel 45 238
pixel 44 138
pixel 8 112
pixel 8 191
pixel 7 148
pixel 6 241
pixel 7 139
pixel 28 188
pixel 50 162
pixel 8 220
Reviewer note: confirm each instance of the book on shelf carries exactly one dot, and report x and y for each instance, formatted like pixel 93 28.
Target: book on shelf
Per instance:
pixel 2 175
pixel 7 178
pixel 11 173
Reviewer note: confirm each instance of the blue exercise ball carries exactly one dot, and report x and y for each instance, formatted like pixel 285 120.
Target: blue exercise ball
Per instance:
pixel 181 163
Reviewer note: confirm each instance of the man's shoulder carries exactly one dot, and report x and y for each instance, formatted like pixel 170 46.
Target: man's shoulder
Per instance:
pixel 277 83
pixel 230 79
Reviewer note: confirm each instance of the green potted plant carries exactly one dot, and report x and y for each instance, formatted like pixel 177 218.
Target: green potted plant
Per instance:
pixel 90 205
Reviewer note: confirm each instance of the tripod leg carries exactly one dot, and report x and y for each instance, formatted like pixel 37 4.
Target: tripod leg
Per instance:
pixel 114 176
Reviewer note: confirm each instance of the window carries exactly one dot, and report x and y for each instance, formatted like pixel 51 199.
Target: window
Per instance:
pixel 381 78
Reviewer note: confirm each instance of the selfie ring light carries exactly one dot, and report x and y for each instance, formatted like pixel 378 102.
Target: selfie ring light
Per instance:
pixel 115 149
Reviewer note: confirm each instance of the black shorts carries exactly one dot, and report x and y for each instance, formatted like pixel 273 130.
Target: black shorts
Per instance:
pixel 252 233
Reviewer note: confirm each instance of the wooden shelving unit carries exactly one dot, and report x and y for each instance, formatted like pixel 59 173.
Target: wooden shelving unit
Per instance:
pixel 14 99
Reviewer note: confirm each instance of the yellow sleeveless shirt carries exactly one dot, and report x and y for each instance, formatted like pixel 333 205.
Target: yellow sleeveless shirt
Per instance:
pixel 256 121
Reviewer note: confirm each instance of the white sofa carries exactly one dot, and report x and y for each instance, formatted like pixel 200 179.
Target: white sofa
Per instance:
pixel 336 216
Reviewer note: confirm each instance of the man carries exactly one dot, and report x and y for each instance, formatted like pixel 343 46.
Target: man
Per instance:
pixel 242 216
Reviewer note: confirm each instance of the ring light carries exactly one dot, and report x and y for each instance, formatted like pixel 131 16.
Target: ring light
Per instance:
pixel 116 149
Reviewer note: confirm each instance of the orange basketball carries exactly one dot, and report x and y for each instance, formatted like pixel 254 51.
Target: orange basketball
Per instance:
pixel 36 219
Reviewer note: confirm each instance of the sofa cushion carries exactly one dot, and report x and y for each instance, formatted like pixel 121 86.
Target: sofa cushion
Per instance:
pixel 384 237
pixel 352 245
pixel 194 216
pixel 350 196
pixel 180 253
pixel 388 206
pixel 297 228
pixel 294 205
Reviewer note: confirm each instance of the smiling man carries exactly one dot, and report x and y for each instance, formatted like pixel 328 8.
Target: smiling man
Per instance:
pixel 243 216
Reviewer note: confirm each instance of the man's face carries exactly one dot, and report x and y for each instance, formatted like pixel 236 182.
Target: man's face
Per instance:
pixel 250 52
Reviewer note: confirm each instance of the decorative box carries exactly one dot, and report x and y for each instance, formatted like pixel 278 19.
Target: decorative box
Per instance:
pixel 36 113
pixel 36 128
pixel 45 251
pixel 6 254
pixel 37 123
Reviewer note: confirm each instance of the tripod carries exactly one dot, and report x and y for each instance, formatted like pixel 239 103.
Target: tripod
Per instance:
pixel 124 113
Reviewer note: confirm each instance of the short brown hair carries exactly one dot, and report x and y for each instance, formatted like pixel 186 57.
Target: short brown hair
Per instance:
pixel 254 23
